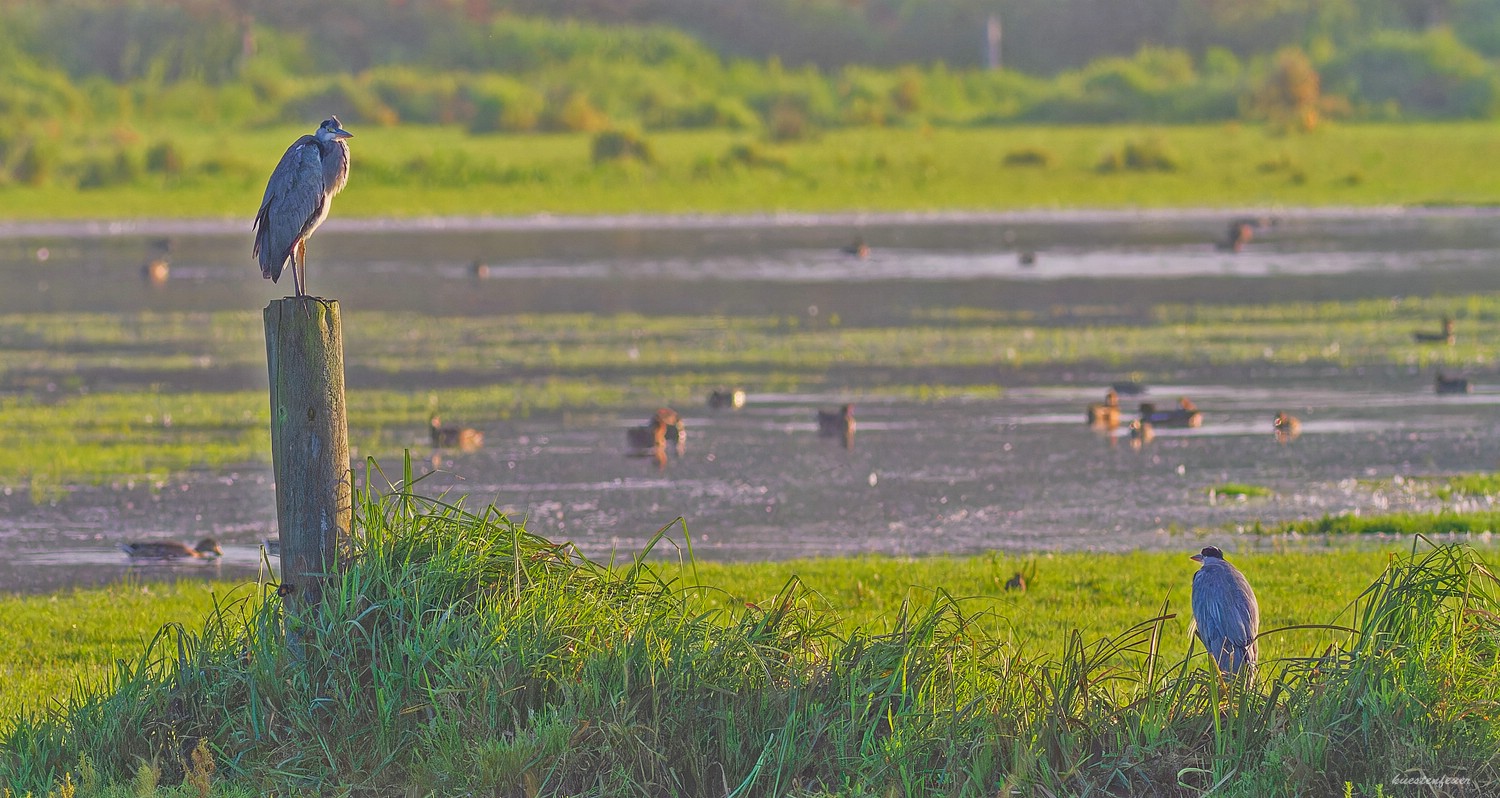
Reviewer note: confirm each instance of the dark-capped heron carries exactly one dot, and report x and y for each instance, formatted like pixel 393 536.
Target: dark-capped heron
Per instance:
pixel 297 199
pixel 1225 612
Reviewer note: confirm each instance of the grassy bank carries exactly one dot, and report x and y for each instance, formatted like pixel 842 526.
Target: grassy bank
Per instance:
pixel 61 641
pixel 416 171
pixel 461 654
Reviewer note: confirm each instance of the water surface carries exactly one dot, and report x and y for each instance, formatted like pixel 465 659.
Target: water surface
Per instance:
pixel 1019 472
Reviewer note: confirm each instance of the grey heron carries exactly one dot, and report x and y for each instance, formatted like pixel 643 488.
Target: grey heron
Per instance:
pixel 297 198
pixel 1225 611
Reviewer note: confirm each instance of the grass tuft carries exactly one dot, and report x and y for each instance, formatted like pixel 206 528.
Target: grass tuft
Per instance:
pixel 1239 489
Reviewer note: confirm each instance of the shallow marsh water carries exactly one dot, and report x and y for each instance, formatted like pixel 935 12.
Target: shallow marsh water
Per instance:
pixel 1017 471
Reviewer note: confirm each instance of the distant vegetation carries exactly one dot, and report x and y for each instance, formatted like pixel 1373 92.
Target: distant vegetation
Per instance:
pixel 100 73
pixel 157 170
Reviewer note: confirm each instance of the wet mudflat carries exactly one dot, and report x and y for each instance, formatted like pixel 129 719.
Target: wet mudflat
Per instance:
pixel 930 470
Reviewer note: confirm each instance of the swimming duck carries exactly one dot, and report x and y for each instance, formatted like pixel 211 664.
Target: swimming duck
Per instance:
pixel 676 431
pixel 1239 233
pixel 156 272
pixel 158 266
pixel 1287 427
pixel 1445 384
pixel 722 398
pixel 1141 433
pixel 837 424
pixel 1447 336
pixel 207 549
pixel 858 249
pixel 1186 414
pixel 464 439
pixel 649 436
pixel 1105 414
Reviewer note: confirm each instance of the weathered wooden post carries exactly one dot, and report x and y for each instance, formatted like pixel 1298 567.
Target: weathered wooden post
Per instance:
pixel 309 448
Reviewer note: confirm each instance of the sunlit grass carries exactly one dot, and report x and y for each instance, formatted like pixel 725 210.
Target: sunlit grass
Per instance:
pixel 1239 489
pixel 61 640
pixel 418 171
pixel 1478 486
pixel 52 646
pixel 1447 522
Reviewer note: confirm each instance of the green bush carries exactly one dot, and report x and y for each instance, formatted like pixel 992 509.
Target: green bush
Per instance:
pixel 503 105
pixel 103 171
pixel 727 113
pixel 1029 156
pixel 1145 155
pixel 164 158
pixel 571 111
pixel 752 156
pixel 420 97
pixel 352 101
pixel 32 160
pixel 789 121
pixel 620 145
pixel 1430 75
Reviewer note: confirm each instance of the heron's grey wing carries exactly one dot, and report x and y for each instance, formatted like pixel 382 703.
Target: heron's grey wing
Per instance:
pixel 294 197
pixel 1226 612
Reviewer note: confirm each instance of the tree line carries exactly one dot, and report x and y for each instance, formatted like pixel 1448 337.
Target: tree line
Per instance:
pixel 590 65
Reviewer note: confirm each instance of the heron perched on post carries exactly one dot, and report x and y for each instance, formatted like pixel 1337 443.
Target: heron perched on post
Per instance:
pixel 1225 611
pixel 297 198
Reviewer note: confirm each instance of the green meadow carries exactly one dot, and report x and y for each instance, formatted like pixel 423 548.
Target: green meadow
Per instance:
pixel 61 642
pixel 405 171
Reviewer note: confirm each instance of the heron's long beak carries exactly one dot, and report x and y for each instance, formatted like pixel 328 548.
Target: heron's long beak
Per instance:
pixel 1196 558
pixel 340 133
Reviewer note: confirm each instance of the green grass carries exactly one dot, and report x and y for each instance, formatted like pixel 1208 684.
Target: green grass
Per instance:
pixel 1238 489
pixel 416 171
pixel 55 645
pixel 1447 522
pixel 1469 486
pixel 1097 594
pixel 459 654
pixel 63 640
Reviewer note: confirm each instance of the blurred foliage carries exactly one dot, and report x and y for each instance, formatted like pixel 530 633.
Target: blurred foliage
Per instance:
pixel 1433 74
pixel 779 70
pixel 1291 95
pixel 621 145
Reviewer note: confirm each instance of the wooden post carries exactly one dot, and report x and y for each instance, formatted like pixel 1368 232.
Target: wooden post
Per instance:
pixel 309 448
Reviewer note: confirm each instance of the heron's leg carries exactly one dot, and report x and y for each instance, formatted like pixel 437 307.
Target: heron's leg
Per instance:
pixel 293 264
pixel 300 275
